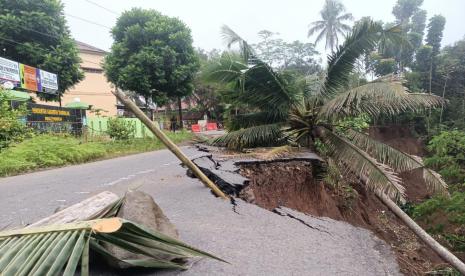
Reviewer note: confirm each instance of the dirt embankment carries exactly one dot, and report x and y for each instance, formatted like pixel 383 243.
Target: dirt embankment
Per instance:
pixel 291 184
pixel 403 139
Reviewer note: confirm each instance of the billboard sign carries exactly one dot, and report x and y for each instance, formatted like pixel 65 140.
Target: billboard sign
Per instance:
pixel 48 81
pixel 30 80
pixel 9 71
pixel 27 77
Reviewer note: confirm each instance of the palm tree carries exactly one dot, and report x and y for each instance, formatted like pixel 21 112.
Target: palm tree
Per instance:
pixel 280 110
pixel 331 25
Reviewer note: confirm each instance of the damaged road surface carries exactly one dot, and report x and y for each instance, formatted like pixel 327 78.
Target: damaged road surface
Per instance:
pixel 254 240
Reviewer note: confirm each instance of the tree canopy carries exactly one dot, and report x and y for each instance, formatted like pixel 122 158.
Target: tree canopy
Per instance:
pixel 35 33
pixel 296 56
pixel 152 55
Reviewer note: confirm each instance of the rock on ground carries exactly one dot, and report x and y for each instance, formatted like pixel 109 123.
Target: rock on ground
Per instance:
pixel 139 207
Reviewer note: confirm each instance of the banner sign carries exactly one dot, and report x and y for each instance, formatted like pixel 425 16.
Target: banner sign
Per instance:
pixel 9 71
pixel 48 81
pixel 30 80
pixel 28 77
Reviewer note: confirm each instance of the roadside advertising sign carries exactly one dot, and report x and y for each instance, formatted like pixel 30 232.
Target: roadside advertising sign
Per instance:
pixel 27 77
pixel 30 80
pixel 9 71
pixel 49 82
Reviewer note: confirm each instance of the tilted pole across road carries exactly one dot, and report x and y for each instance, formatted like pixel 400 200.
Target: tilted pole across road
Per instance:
pixel 168 143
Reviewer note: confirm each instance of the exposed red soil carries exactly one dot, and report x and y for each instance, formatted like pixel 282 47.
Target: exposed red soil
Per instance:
pixel 291 184
pixel 402 138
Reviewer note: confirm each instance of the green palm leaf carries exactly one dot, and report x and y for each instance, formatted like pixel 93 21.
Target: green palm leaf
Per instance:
pixel 380 178
pixel 386 96
pixel 397 160
pixel 50 250
pixel 363 38
pixel 247 120
pixel 232 38
pixel 256 136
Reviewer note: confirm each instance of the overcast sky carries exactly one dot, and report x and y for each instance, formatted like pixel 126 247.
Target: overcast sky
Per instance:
pixel 247 17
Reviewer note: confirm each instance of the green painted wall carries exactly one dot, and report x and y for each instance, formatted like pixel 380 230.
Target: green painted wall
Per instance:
pixel 98 126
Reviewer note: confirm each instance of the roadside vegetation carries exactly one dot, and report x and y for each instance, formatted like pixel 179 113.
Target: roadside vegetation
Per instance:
pixel 46 150
pixel 444 217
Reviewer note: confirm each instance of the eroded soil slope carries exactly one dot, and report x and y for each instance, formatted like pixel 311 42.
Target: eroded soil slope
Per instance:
pixel 291 184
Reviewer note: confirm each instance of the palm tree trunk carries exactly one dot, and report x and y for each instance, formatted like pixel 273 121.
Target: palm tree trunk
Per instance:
pixel 443 95
pixel 432 243
pixel 180 112
pixel 168 143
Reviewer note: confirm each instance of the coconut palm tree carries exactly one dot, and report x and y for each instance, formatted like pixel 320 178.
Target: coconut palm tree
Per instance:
pixel 279 110
pixel 332 24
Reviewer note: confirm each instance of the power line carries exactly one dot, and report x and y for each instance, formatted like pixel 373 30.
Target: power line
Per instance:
pixel 19 43
pixel 80 18
pixel 102 7
pixel 88 21
pixel 42 33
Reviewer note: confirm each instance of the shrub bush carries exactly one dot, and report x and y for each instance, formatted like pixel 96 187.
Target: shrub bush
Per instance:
pixel 120 129
pixel 448 155
pixel 12 129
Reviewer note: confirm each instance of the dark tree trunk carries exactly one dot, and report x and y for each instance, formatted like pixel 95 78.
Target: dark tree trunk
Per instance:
pixel 180 113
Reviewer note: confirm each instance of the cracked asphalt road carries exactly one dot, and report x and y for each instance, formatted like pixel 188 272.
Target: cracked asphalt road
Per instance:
pixel 255 241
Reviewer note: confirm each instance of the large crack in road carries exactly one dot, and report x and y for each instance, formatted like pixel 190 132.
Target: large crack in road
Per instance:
pixel 254 240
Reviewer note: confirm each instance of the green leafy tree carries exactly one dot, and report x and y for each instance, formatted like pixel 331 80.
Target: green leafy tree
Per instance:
pixel 152 55
pixel 332 25
pixel 417 30
pixel 435 32
pixel 404 9
pixel 280 111
pixel 34 32
pixel 449 81
pixel 296 56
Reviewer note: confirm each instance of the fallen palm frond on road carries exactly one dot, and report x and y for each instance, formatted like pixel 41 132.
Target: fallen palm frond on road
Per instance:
pixel 52 249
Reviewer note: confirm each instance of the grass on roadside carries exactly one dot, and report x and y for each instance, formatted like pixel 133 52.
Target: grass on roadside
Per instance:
pixel 45 151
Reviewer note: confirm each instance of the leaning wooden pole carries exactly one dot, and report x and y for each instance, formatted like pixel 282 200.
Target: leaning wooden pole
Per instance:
pixel 168 143
pixel 432 243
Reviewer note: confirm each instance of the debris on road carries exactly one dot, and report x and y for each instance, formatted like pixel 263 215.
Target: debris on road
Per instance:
pixel 59 242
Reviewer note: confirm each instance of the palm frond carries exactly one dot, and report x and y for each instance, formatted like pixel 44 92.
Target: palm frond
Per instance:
pixel 267 89
pixel 260 85
pixel 231 38
pixel 257 118
pixel 228 68
pixel 397 160
pixel 363 38
pixel 256 136
pixel 277 152
pixel 301 120
pixel 387 97
pixel 380 178
pixel 56 249
pixel 434 181
pixel 346 16
pixel 315 28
